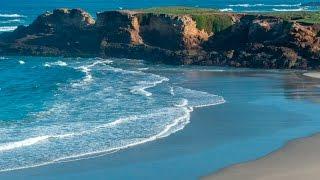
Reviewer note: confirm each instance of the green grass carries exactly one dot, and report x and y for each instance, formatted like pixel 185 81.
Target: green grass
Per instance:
pixel 180 10
pixel 303 17
pixel 210 20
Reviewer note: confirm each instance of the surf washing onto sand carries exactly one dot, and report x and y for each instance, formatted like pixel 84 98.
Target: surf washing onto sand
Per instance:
pixel 88 107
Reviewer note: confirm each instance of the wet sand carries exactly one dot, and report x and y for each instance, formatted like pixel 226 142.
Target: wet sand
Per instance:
pixel 313 74
pixel 296 161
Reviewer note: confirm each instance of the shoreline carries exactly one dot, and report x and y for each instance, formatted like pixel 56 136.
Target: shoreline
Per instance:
pixel 201 147
pixel 313 75
pixel 297 159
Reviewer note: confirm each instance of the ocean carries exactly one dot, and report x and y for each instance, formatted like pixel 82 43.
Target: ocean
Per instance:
pixel 108 116
pixel 63 118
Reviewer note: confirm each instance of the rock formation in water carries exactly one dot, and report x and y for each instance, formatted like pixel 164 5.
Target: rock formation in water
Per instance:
pixel 257 41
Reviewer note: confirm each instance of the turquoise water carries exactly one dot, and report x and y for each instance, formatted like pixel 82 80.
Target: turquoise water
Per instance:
pixel 149 121
pixel 61 110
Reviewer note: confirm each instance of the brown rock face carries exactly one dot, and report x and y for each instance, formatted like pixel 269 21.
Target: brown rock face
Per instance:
pixel 253 41
pixel 267 42
pixel 171 32
pixel 60 19
pixel 118 27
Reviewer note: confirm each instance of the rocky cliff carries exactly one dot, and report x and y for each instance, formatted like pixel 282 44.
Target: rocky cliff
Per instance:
pixel 251 40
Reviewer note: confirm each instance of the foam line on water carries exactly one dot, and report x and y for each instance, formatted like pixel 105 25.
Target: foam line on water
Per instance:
pixel 264 5
pixel 57 63
pixel 78 117
pixel 10 21
pixel 226 10
pixel 23 143
pixel 21 62
pixel 286 10
pixel 86 69
pixel 143 85
pixel 3 58
pixel 11 15
pixel 7 28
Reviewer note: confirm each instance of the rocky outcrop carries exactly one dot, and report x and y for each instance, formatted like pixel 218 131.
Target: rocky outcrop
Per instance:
pixel 171 32
pixel 252 41
pixel 267 42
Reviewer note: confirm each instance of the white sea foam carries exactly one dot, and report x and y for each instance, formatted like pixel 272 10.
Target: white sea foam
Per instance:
pixel 182 103
pixel 286 10
pixel 11 15
pixel 143 85
pixel 3 58
pixel 10 21
pixel 102 118
pixel 86 69
pixel 172 91
pixel 30 141
pixel 57 63
pixel 265 5
pixel 21 62
pixel 226 10
pixel 23 143
pixel 143 69
pixel 7 28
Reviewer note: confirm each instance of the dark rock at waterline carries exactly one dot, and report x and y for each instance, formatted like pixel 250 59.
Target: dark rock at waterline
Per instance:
pixel 251 41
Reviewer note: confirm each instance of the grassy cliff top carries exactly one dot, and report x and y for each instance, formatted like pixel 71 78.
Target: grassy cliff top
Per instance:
pixel 210 20
pixel 181 10
pixel 213 20
pixel 304 16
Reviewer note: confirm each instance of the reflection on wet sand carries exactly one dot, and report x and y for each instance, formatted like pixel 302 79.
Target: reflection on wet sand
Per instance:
pixel 294 83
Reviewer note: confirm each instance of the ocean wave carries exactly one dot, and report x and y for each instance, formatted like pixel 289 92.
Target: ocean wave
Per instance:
pixel 286 10
pixel 11 21
pixel 265 5
pixel 182 103
pixel 7 28
pixel 3 58
pixel 226 10
pixel 143 85
pixel 143 69
pixel 86 69
pixel 102 118
pixel 11 15
pixel 176 125
pixel 57 63
pixel 23 143
pixel 21 62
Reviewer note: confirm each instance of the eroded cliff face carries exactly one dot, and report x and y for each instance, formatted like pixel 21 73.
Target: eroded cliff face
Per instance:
pixel 252 41
pixel 266 42
pixel 171 32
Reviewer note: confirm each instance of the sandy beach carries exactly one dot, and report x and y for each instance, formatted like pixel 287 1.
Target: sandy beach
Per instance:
pixel 313 74
pixel 296 161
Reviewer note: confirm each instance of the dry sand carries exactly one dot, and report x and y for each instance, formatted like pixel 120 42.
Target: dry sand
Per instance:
pixel 298 160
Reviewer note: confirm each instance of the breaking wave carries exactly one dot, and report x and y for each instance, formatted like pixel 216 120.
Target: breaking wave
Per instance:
pixel 11 15
pixel 226 10
pixel 57 63
pixel 7 28
pixel 11 21
pixel 285 10
pixel 99 113
pixel 264 5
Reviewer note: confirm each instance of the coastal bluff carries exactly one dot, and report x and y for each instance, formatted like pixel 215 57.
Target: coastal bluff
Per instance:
pixel 238 40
